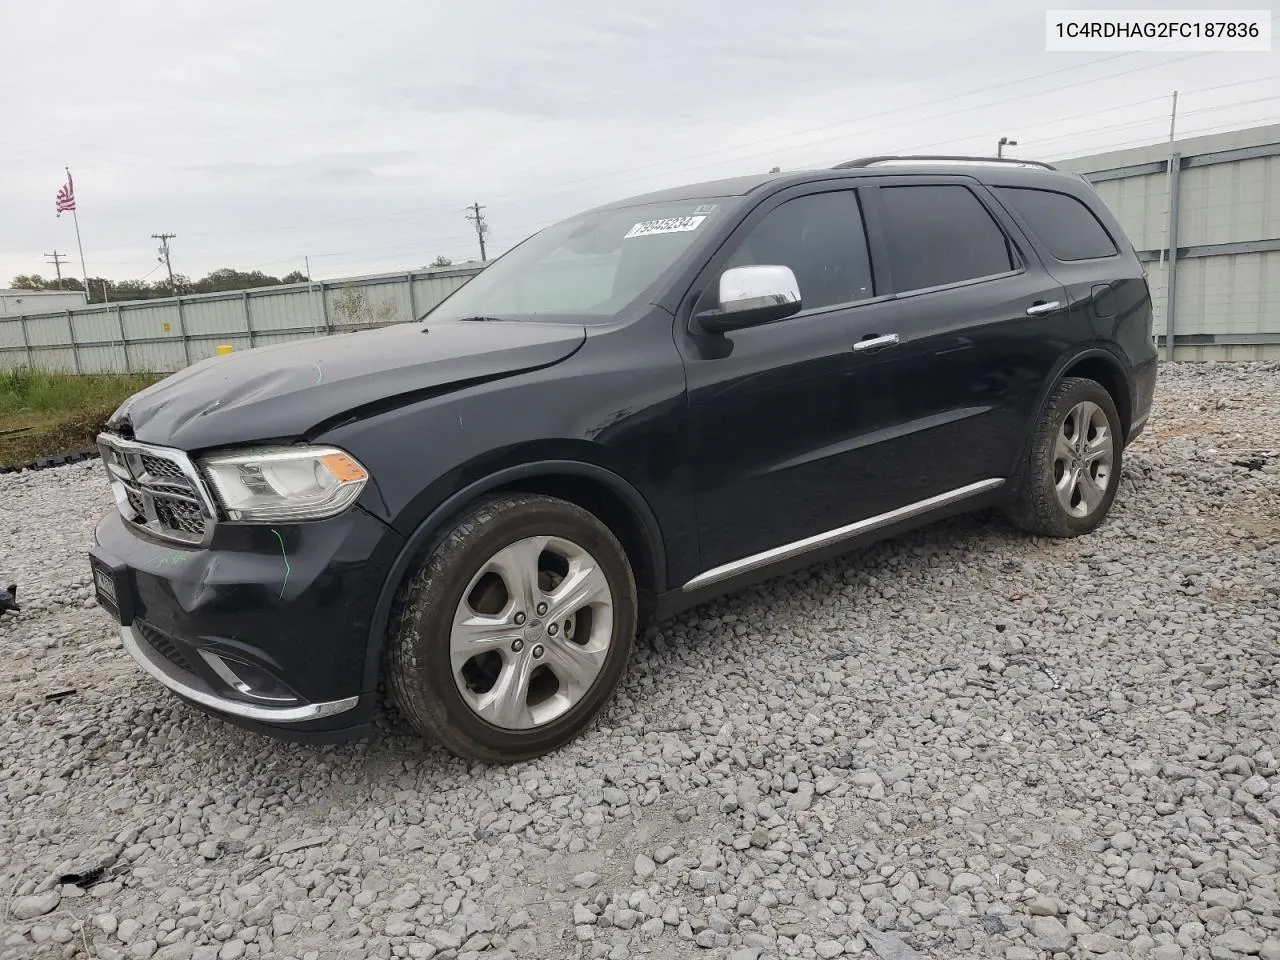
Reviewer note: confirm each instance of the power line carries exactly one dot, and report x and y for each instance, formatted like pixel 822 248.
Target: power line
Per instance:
pixel 418 251
pixel 556 187
pixel 1037 141
pixel 405 251
pixel 151 271
pixel 1160 119
pixel 859 119
pixel 422 248
pixel 482 229
pixel 939 116
pixel 1057 154
pixel 553 188
pixel 1152 141
pixel 1162 98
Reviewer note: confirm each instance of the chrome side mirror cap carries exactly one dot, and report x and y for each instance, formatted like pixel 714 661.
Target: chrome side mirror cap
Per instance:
pixel 751 296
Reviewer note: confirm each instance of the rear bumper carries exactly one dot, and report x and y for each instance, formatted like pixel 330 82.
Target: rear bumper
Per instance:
pixel 266 628
pixel 1144 389
pixel 1135 429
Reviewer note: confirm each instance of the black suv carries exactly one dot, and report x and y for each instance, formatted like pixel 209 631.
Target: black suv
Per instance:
pixel 636 409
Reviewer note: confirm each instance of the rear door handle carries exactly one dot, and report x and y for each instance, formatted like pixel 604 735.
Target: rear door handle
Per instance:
pixel 1036 309
pixel 875 343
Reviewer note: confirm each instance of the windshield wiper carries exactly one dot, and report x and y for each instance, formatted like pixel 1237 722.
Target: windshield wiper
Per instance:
pixel 480 320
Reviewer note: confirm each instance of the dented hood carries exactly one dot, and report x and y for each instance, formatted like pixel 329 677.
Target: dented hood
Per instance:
pixel 286 389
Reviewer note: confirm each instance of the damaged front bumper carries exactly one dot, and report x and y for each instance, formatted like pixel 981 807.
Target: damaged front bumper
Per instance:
pixel 258 704
pixel 266 627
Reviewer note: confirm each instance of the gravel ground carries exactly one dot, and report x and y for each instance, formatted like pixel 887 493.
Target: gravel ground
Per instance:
pixel 962 743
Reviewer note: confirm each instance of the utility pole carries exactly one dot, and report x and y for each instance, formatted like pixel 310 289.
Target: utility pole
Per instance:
pixel 1004 142
pixel 482 228
pixel 164 239
pixel 56 260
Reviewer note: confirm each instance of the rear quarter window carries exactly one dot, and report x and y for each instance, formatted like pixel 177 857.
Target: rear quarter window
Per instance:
pixel 1068 229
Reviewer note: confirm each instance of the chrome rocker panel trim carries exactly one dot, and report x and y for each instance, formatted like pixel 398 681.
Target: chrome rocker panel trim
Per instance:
pixel 788 550
pixel 136 648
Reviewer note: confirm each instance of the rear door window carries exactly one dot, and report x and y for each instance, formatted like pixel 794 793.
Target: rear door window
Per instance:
pixel 1067 228
pixel 940 234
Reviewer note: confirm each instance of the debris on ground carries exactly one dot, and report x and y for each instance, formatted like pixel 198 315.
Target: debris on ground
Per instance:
pixel 9 600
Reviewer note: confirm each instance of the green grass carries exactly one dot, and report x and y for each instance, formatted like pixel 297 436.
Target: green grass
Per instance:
pixel 25 391
pixel 44 414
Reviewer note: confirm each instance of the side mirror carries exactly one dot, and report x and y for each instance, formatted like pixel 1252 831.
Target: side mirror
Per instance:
pixel 751 296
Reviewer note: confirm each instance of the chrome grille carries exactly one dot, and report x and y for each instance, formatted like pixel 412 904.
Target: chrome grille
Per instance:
pixel 158 489
pixel 135 501
pixel 162 469
pixel 177 515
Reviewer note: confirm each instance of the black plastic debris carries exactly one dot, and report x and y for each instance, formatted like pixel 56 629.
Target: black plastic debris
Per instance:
pixel 84 878
pixel 9 600
pixel 54 696
pixel 1251 463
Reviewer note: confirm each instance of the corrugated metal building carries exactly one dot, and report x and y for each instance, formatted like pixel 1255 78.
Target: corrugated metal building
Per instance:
pixel 17 303
pixel 1219 238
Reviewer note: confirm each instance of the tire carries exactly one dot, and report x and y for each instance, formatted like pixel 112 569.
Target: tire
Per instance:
pixel 1047 502
pixel 474 670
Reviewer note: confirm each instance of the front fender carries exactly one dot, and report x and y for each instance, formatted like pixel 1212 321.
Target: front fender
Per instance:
pixel 421 535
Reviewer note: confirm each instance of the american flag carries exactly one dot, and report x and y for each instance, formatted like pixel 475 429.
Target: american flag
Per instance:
pixel 66 196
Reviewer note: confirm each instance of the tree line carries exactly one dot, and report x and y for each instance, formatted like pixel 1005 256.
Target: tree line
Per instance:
pixel 100 288
pixel 219 281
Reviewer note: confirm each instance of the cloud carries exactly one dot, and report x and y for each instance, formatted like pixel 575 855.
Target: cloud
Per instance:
pixel 356 134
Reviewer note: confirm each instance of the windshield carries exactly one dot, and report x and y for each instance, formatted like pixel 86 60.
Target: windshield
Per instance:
pixel 588 267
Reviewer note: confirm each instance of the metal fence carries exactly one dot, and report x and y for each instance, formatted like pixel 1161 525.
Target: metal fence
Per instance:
pixel 1208 223
pixel 162 336
pixel 1204 213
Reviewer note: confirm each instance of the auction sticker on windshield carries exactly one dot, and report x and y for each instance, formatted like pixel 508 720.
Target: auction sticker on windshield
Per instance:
pixel 648 228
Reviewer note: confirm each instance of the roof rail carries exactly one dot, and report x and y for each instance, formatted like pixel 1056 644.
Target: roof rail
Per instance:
pixel 938 158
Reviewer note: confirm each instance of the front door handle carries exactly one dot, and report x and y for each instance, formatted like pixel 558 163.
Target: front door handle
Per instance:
pixel 875 343
pixel 1036 309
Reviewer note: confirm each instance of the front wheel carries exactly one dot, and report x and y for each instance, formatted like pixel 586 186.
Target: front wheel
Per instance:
pixel 1072 469
pixel 514 631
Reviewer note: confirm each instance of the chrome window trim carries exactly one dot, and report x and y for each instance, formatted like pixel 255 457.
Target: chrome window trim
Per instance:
pixel 197 494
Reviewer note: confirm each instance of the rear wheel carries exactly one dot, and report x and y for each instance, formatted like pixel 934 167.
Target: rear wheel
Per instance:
pixel 514 631
pixel 1072 469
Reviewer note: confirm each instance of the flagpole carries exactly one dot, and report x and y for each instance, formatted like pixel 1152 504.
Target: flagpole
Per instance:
pixel 83 271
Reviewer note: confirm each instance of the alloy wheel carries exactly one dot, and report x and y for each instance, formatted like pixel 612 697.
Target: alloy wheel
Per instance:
pixel 531 633
pixel 1083 456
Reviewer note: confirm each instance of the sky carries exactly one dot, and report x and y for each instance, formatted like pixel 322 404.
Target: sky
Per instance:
pixel 355 134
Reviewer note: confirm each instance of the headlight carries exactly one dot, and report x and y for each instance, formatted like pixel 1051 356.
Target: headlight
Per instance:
pixel 280 484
